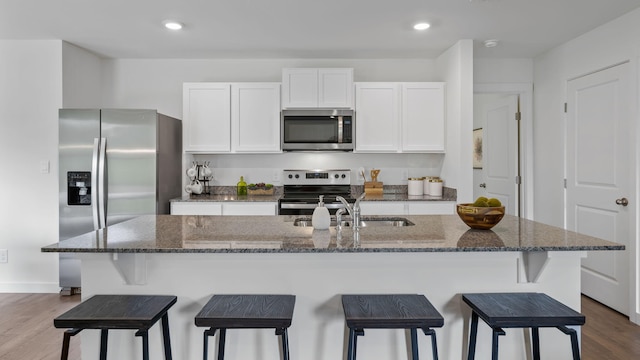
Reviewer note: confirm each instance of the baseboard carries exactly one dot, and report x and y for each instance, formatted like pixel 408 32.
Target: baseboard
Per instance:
pixel 29 287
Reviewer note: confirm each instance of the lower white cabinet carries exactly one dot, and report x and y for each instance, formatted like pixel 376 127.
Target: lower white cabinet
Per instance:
pixel 407 207
pixel 223 208
pixel 196 208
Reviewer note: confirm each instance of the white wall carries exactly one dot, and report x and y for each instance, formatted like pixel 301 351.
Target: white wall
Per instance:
pixel 455 67
pixel 82 78
pixel 489 70
pixel 607 45
pixel 30 95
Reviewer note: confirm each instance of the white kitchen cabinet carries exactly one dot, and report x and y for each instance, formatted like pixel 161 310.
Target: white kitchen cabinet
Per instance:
pixel 423 117
pixel 206 117
pixel 377 117
pixel 255 117
pixel 249 208
pixel 196 208
pixel 231 117
pixel 224 208
pixel 407 207
pixel 317 88
pixel 400 117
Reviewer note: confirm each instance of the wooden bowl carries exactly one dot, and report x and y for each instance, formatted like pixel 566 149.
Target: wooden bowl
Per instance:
pixel 482 218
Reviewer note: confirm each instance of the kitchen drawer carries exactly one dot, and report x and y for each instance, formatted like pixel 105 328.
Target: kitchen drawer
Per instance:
pixel 249 208
pixel 196 208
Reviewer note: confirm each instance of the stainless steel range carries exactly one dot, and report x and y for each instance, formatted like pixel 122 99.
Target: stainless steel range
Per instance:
pixel 302 189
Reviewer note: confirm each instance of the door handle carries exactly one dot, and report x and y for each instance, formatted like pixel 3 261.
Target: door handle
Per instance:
pixel 622 201
pixel 483 185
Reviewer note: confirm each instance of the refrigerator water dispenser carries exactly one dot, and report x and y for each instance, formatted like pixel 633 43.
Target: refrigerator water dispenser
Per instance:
pixel 78 188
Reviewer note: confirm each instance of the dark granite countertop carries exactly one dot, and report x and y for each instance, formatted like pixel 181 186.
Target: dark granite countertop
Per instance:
pixel 277 234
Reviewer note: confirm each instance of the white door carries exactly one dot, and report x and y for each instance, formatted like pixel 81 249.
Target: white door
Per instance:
pixel 597 178
pixel 500 151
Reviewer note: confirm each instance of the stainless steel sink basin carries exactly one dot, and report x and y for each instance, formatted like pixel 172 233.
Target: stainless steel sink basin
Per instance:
pixel 364 222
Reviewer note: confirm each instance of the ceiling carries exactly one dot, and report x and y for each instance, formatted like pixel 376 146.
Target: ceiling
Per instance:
pixel 357 29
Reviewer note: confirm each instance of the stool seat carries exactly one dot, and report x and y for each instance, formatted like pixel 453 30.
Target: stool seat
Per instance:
pixel 521 310
pixel 117 312
pixel 224 312
pixel 391 311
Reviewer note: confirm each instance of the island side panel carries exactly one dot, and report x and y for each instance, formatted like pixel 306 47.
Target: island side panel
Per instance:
pixel 318 331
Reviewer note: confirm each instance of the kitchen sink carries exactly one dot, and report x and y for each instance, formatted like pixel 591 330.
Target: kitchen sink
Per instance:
pixel 364 222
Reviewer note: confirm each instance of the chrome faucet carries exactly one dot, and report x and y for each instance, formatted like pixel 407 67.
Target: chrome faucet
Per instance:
pixel 353 210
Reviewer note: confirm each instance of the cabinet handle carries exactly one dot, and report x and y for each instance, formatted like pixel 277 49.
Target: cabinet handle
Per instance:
pixel 622 201
pixel 483 185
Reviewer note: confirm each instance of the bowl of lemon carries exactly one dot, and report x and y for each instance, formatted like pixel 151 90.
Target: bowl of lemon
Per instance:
pixel 482 214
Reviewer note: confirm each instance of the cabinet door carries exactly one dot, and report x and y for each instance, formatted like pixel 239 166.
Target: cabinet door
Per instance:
pixel 250 208
pixel 431 207
pixel 196 208
pixel 207 117
pixel 377 117
pixel 423 117
pixel 383 208
pixel 299 88
pixel 255 117
pixel 335 88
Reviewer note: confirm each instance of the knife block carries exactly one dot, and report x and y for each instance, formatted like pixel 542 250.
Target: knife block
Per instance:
pixel 373 187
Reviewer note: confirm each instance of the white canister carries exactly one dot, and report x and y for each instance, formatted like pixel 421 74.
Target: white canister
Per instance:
pixel 426 184
pixel 435 187
pixel 415 186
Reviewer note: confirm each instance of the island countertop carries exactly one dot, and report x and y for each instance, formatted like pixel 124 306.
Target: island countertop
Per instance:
pixel 277 234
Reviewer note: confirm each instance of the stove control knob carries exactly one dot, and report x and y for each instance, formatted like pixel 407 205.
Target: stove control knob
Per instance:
pixel 344 176
pixel 336 176
pixel 290 176
pixel 297 176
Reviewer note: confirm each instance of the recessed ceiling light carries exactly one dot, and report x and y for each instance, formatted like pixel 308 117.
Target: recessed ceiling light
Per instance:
pixel 172 25
pixel 421 26
pixel 491 43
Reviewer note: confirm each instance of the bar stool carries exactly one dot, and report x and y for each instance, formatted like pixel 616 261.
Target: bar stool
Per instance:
pixel 521 310
pixel 224 312
pixel 391 312
pixel 118 312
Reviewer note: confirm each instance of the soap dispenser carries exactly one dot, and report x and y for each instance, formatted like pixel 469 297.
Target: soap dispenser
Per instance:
pixel 321 220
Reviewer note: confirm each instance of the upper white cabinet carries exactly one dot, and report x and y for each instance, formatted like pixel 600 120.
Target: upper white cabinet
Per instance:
pixel 206 117
pixel 377 117
pixel 231 117
pixel 255 117
pixel 423 117
pixel 317 88
pixel 400 117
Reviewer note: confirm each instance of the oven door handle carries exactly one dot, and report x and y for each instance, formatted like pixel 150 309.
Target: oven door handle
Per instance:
pixel 309 206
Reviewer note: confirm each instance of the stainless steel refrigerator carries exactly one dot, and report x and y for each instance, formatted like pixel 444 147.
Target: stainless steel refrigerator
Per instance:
pixel 114 165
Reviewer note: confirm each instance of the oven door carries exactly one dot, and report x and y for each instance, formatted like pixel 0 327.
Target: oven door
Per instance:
pixel 317 130
pixel 292 207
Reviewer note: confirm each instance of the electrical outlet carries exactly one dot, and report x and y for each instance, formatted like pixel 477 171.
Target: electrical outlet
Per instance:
pixel 4 255
pixel 276 176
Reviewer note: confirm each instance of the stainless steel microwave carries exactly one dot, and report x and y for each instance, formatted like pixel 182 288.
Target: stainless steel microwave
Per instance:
pixel 317 130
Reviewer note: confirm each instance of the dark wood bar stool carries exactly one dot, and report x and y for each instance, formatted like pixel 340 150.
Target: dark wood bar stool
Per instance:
pixel 521 310
pixel 224 312
pixel 118 312
pixel 391 312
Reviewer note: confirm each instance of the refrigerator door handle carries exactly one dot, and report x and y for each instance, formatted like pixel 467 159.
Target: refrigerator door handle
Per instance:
pixel 94 184
pixel 102 174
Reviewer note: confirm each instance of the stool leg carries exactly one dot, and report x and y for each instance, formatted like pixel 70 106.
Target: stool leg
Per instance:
pixel 65 342
pixel 414 344
pixel 434 343
pixel 494 343
pixel 165 337
pixel 473 336
pixel 221 340
pixel 574 341
pixel 352 337
pixel 144 333
pixel 285 344
pixel 104 334
pixel 535 334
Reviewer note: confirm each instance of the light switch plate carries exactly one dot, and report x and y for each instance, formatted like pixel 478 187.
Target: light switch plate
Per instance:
pixel 4 256
pixel 44 166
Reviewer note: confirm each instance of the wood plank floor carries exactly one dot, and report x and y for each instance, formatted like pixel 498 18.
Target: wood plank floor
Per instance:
pixel 27 332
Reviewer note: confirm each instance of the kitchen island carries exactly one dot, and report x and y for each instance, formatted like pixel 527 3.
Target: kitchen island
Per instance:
pixel 195 257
